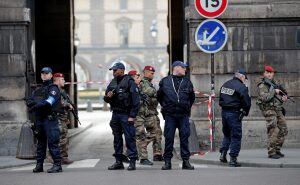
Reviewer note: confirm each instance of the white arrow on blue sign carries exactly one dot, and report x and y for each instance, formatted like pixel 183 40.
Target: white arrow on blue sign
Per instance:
pixel 211 36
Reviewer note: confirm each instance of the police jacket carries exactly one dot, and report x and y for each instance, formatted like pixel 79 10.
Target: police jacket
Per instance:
pixel 176 95
pixel 234 95
pixel 44 100
pixel 126 96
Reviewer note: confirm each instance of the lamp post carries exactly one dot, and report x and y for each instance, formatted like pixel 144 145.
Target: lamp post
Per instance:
pixel 154 31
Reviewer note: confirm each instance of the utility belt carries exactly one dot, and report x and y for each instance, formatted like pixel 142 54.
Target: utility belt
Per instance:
pixel 231 109
pixel 120 111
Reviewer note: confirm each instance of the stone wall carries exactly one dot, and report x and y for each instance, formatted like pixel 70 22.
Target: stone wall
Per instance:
pixel 260 32
pixel 14 20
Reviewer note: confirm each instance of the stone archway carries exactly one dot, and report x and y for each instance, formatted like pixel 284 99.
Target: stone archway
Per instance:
pixel 130 62
pixel 82 72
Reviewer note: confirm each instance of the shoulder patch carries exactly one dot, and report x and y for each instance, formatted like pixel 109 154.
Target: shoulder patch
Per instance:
pixel 227 91
pixel 53 93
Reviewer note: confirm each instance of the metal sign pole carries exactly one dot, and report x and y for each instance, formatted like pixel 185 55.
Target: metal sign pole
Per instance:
pixel 213 101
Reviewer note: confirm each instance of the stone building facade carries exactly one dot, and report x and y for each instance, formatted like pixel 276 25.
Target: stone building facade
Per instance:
pixel 111 29
pixel 260 32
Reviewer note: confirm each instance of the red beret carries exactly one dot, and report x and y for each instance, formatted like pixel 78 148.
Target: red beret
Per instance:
pixel 58 75
pixel 269 69
pixel 133 72
pixel 149 68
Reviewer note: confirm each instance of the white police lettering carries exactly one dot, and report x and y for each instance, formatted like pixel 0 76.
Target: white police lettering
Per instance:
pixel 53 93
pixel 227 91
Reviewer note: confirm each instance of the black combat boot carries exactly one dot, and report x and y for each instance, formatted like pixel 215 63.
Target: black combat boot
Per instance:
pixel 38 168
pixel 167 165
pixel 146 162
pixel 223 158
pixel 186 165
pixel 233 162
pixel 275 156
pixel 131 165
pixel 158 158
pixel 279 153
pixel 56 168
pixel 118 165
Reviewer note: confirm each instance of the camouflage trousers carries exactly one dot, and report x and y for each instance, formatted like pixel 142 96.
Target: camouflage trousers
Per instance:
pixel 148 130
pixel 63 121
pixel 276 129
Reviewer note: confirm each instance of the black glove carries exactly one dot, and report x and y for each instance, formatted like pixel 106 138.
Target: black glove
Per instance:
pixel 242 114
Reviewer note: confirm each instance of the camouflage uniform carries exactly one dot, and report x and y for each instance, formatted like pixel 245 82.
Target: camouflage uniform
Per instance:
pixel 271 106
pixel 63 120
pixel 147 122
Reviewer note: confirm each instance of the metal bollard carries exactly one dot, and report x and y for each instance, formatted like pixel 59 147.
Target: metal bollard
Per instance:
pixel 193 139
pixel 89 107
pixel 26 145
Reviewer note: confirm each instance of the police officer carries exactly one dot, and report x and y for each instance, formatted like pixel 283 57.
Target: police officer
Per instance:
pixel 43 102
pixel 235 102
pixel 176 96
pixel 63 118
pixel 123 96
pixel 270 101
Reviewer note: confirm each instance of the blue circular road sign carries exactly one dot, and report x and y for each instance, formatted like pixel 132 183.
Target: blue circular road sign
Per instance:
pixel 211 36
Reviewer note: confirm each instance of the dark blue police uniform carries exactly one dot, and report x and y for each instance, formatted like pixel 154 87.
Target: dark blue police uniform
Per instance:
pixel 235 102
pixel 124 104
pixel 176 96
pixel 43 101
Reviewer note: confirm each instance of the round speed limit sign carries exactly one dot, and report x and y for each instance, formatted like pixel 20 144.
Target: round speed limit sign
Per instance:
pixel 211 8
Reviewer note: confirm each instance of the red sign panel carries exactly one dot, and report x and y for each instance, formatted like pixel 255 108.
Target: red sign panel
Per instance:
pixel 211 8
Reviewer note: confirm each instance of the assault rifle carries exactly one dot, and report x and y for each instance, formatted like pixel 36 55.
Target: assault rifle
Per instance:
pixel 282 90
pixel 74 110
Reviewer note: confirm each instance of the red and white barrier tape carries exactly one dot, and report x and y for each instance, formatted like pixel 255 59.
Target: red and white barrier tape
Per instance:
pixel 209 106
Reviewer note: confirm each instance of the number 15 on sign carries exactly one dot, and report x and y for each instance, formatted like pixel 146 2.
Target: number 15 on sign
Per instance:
pixel 211 8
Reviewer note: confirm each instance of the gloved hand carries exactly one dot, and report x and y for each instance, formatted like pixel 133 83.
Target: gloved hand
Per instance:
pixel 242 114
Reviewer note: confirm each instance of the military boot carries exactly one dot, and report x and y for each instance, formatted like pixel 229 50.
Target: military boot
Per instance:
pixel 56 168
pixel 66 161
pixel 279 153
pixel 223 158
pixel 233 162
pixel 38 168
pixel 131 165
pixel 274 156
pixel 158 158
pixel 118 165
pixel 146 162
pixel 186 165
pixel 167 166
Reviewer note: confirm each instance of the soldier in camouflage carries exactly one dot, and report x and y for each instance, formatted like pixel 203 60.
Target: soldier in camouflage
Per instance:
pixel 270 101
pixel 147 123
pixel 63 118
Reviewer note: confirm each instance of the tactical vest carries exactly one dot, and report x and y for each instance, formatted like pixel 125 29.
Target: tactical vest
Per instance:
pixel 42 93
pixel 121 101
pixel 274 103
pixel 148 107
pixel 59 108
